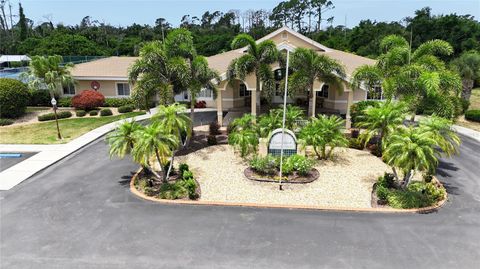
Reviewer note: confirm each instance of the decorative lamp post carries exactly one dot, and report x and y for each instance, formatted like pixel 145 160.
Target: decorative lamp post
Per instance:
pixel 54 104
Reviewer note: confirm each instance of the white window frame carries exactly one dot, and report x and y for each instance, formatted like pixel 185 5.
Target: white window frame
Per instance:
pixel 246 92
pixel 321 94
pixel 123 83
pixel 203 96
pixel 375 99
pixel 69 87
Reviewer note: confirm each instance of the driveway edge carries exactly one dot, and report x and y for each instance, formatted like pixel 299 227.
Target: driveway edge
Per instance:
pixel 424 210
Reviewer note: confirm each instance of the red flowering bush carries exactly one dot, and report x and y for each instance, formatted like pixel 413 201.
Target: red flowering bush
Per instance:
pixel 200 104
pixel 88 99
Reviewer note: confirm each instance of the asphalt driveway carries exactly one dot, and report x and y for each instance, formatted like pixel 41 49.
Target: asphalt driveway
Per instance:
pixel 79 213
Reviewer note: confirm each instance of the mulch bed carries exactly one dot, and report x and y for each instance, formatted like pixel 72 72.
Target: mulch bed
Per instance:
pixel 157 184
pixel 293 178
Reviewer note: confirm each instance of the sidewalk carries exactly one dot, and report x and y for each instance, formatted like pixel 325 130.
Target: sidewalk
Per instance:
pixel 50 154
pixel 467 132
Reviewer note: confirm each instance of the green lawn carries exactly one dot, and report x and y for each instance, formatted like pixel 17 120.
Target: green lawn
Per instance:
pixel 475 99
pixel 46 132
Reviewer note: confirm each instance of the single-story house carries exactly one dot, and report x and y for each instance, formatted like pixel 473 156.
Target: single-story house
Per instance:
pixel 109 76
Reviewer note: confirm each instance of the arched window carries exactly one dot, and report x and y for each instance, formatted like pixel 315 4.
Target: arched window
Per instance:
pixel 323 92
pixel 243 90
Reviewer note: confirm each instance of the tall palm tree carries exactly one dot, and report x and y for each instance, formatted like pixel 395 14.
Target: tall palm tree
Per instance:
pixel 122 139
pixel 411 149
pixel 381 121
pixel 322 133
pixel 154 141
pixel 174 120
pixel 468 66
pixel 410 75
pixel 309 66
pixel 257 60
pixel 442 132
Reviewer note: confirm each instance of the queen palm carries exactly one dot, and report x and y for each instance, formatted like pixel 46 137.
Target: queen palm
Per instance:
pixel 322 133
pixel 246 141
pixel 381 121
pixel 410 75
pixel 308 66
pixel 154 142
pixel 174 120
pixel 442 132
pixel 411 149
pixel 257 60
pixel 122 139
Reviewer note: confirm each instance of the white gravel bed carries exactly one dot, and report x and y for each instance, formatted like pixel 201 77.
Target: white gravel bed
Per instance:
pixel 345 182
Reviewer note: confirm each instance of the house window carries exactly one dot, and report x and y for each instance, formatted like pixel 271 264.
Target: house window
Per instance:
pixel 323 92
pixel 69 89
pixel 205 93
pixel 243 91
pixel 185 95
pixel 375 94
pixel 123 89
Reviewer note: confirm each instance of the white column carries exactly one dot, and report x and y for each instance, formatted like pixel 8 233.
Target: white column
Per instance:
pixel 314 103
pixel 254 103
pixel 348 124
pixel 219 107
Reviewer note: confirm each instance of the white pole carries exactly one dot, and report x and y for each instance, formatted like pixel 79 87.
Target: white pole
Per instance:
pixel 283 119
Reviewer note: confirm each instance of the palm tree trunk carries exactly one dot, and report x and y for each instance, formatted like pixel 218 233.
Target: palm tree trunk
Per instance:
pixel 395 174
pixel 257 104
pixel 170 166
pixel 317 153
pixel 164 178
pixel 407 178
pixel 467 86
pixel 330 152
pixel 310 101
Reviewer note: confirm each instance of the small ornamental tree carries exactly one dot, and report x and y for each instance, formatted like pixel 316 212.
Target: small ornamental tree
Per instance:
pixel 88 100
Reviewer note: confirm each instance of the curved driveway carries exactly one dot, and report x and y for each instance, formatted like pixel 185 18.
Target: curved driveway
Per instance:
pixel 79 213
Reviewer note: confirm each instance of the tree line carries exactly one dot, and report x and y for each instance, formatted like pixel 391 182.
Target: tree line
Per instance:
pixel 214 31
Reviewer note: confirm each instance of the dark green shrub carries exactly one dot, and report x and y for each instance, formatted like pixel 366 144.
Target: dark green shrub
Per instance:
pixel 182 168
pixel 382 192
pixel 264 165
pixel 5 122
pixel 51 116
pixel 387 180
pixel 356 143
pixel 39 98
pixel 118 102
pixel 64 102
pixel 191 187
pixel 299 163
pixel 173 191
pixel 93 113
pixel 357 109
pixel 212 140
pixel 14 98
pixel 214 128
pixel 465 105
pixel 434 192
pixel 80 113
pixel 473 115
pixel 106 112
pixel 125 109
pixel 187 175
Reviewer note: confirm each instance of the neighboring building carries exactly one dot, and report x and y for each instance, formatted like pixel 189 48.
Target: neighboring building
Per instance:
pixel 109 76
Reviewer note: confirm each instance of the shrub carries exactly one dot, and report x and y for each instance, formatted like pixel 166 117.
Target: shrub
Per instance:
pixel 172 191
pixel 93 113
pixel 473 115
pixel 201 104
pixel 214 128
pixel 191 187
pixel 5 122
pixel 118 102
pixel 65 102
pixel 88 99
pixel 355 143
pixel 51 116
pixel 356 110
pixel 212 140
pixel 106 112
pixel 186 175
pixel 264 165
pixel 125 109
pixel 434 192
pixel 465 105
pixel 387 180
pixel 39 98
pixel 382 192
pixel 80 113
pixel 182 168
pixel 14 98
pixel 300 163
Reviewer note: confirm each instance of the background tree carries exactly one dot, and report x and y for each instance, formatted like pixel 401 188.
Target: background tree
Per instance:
pixel 468 66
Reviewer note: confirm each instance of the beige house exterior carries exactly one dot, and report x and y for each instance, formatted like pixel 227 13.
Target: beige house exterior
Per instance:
pixel 110 76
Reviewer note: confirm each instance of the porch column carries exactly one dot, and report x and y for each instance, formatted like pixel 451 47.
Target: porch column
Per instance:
pixel 219 107
pixel 254 103
pixel 348 124
pixel 314 103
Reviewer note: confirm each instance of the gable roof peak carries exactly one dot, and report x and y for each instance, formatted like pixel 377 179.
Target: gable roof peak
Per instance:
pixel 296 34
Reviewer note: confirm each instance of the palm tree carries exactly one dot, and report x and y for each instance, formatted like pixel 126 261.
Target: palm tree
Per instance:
pixel 381 121
pixel 309 66
pixel 273 119
pixel 174 120
pixel 468 66
pixel 322 133
pixel 412 76
pixel 154 141
pixel 246 122
pixel 245 140
pixel 257 60
pixel 411 149
pixel 122 139
pixel 442 132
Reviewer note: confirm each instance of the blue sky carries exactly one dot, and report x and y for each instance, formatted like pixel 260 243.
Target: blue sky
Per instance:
pixel 125 12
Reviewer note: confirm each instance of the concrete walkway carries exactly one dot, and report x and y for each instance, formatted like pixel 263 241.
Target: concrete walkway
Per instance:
pixel 467 132
pixel 50 154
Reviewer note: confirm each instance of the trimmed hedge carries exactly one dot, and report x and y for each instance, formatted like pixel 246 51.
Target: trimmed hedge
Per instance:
pixel 106 112
pixel 125 109
pixel 80 113
pixel 65 102
pixel 5 122
pixel 473 115
pixel 93 113
pixel 118 102
pixel 14 98
pixel 51 116
pixel 88 99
